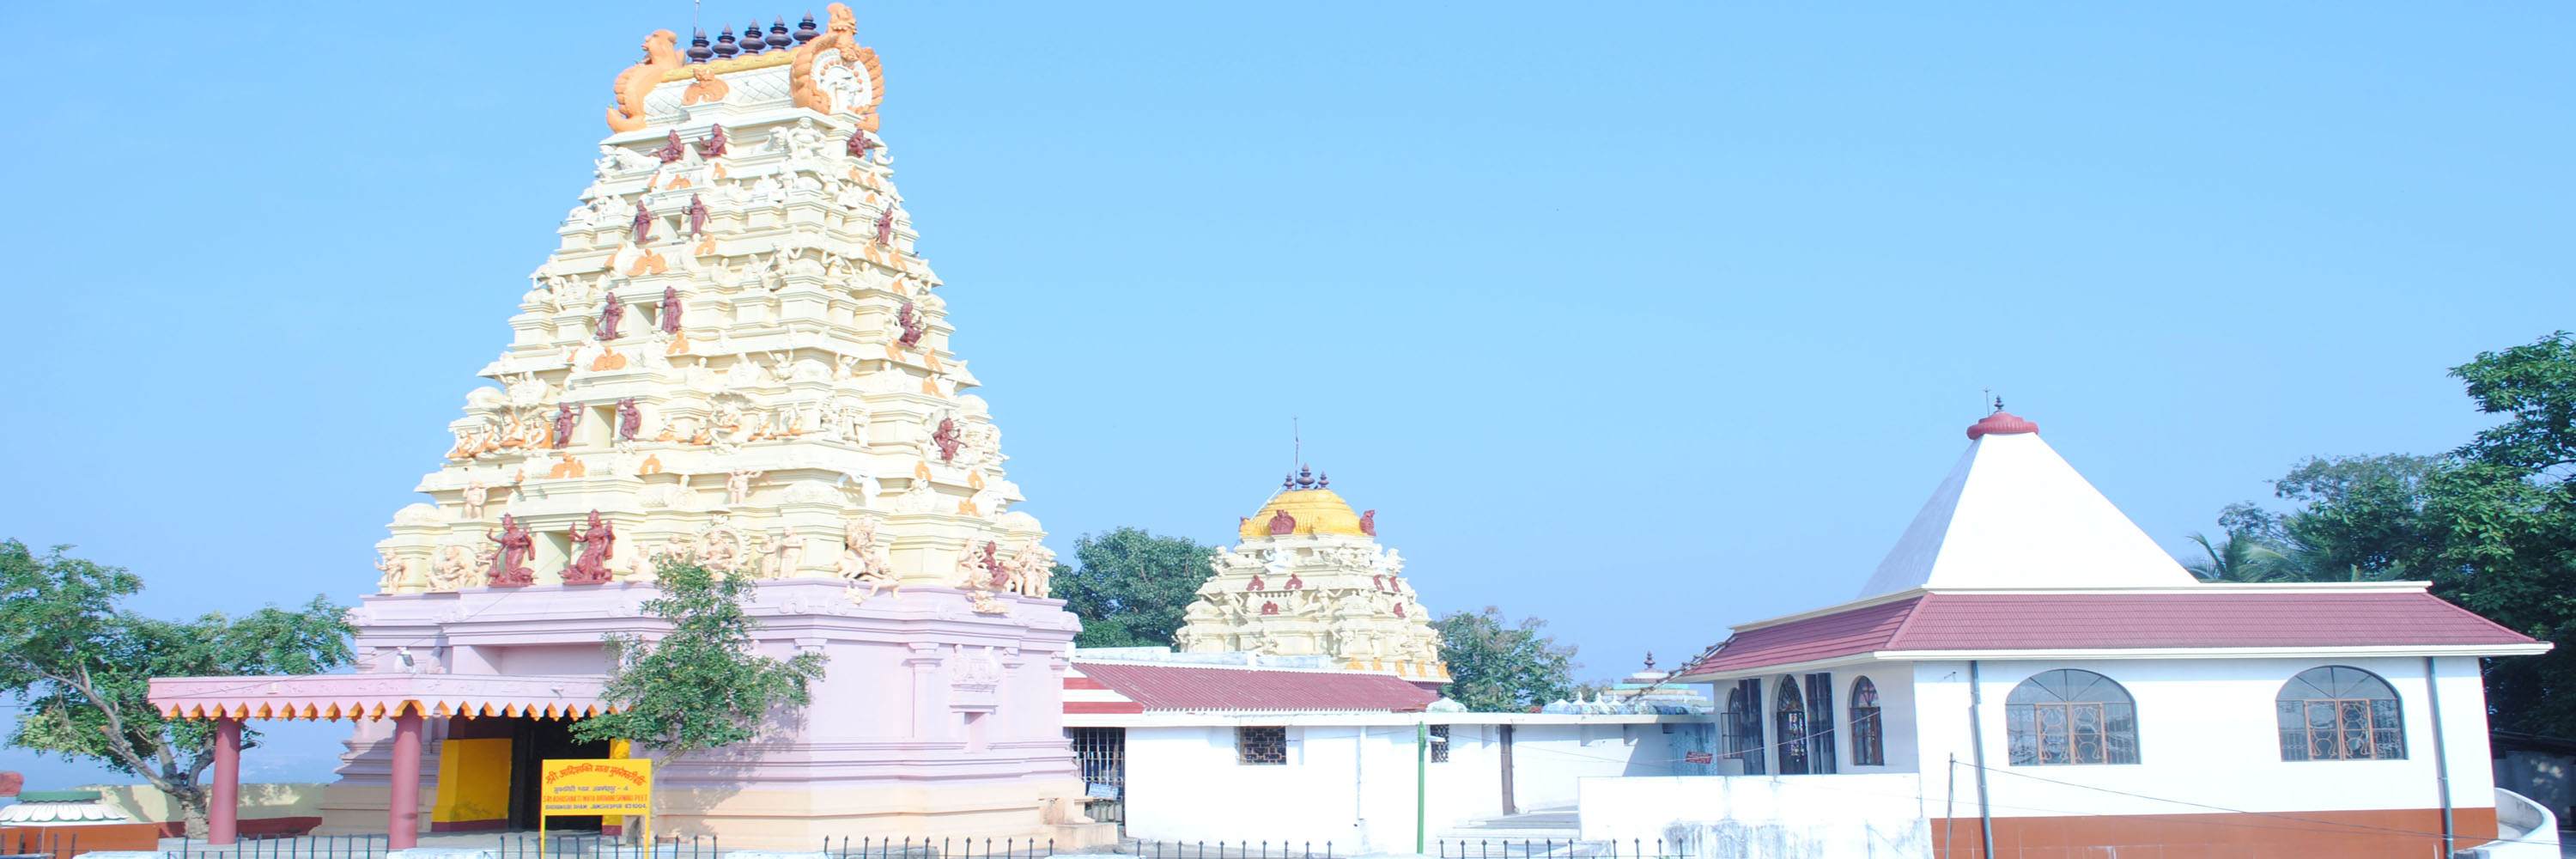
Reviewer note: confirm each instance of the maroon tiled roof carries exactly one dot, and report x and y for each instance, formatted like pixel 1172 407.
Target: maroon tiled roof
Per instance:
pixel 2106 621
pixel 1186 688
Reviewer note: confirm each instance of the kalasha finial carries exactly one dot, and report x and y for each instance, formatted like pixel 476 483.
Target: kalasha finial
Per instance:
pixel 725 46
pixel 805 32
pixel 1999 405
pixel 1305 477
pixel 778 38
pixel 751 42
pixel 1650 660
pixel 1287 483
pixel 2000 423
pixel 698 50
pixel 1324 480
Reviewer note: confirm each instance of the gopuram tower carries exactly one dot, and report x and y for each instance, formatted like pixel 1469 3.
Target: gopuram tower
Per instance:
pixel 735 356
pixel 1310 579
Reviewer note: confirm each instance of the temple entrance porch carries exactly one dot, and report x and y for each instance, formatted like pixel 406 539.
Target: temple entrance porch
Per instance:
pixel 481 706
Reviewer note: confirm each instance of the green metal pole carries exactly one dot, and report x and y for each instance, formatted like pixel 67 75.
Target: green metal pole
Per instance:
pixel 1421 780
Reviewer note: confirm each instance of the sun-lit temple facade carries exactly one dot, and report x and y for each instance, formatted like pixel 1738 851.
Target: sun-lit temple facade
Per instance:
pixel 1309 579
pixel 735 356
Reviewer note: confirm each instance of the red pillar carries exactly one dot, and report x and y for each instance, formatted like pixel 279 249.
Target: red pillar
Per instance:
pixel 402 815
pixel 223 797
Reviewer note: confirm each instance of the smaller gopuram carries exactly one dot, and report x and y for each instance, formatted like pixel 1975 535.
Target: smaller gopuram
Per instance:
pixel 1310 579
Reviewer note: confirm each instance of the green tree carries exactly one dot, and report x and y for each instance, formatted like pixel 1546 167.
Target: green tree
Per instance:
pixel 2503 517
pixel 1496 666
pixel 700 685
pixel 80 666
pixel 2491 523
pixel 1133 589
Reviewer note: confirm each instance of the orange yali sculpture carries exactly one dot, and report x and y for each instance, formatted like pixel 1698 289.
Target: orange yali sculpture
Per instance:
pixel 638 80
pixel 842 35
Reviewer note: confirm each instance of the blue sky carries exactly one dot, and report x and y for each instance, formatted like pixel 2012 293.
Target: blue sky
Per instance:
pixel 1643 319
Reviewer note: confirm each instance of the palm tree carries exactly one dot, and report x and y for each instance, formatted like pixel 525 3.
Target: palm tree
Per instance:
pixel 2242 558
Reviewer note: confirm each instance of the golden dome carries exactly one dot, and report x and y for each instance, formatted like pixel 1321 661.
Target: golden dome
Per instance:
pixel 1317 511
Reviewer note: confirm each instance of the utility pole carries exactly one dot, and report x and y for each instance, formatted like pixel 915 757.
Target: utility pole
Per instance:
pixel 1421 780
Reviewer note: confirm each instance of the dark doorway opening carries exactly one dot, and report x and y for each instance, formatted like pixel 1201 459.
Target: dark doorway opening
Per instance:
pixel 1102 752
pixel 532 742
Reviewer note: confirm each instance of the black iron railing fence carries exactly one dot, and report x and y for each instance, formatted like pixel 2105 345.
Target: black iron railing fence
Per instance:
pixel 591 845
pixel 1560 848
pixel 39 844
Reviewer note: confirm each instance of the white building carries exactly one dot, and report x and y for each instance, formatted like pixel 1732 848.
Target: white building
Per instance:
pixel 1235 746
pixel 2027 666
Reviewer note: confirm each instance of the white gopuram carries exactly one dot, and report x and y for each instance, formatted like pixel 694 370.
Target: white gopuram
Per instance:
pixel 734 357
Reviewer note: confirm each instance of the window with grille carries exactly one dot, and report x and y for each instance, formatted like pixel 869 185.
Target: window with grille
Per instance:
pixel 1744 725
pixel 2337 713
pixel 1439 744
pixel 1868 738
pixel 2071 717
pixel 1791 728
pixel 1265 745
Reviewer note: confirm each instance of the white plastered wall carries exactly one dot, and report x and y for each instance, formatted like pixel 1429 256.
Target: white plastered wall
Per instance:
pixel 2208 742
pixel 1354 784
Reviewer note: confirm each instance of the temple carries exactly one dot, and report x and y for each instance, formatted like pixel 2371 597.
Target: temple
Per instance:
pixel 735 355
pixel 1309 579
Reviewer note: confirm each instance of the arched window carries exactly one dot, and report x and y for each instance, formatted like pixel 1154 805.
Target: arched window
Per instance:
pixel 2336 713
pixel 1791 728
pixel 1867 737
pixel 2071 717
pixel 1744 725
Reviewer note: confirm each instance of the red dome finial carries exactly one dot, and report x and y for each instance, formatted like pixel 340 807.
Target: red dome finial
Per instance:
pixel 2000 422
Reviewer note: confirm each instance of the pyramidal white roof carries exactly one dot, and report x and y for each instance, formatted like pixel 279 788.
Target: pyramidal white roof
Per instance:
pixel 2013 514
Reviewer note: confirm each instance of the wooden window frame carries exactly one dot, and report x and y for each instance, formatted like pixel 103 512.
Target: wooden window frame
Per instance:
pixel 2340 713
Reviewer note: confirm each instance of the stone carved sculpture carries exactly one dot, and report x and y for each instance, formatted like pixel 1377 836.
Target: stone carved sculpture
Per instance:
pixel 970 568
pixel 673 149
pixel 782 557
pixel 1282 523
pixel 630 419
pixel 885 226
pixel 738 485
pixel 1368 523
pixel 636 82
pixel 642 227
pixel 912 323
pixel 1032 569
pixel 704 87
pixel 397 570
pixel 720 547
pixel 611 312
pixel 457 567
pixel 715 145
pixel 697 216
pixel 565 416
pixel 670 310
pixel 863 562
pixel 510 561
pixel 475 494
pixel 945 437
pixel 860 145
pixel 598 545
